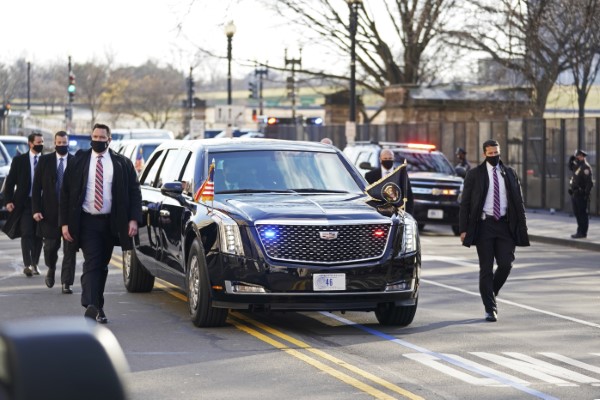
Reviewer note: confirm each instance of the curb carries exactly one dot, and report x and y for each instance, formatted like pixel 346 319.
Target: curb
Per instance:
pixel 578 244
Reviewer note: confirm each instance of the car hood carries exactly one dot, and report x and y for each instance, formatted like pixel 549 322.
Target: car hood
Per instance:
pixel 434 176
pixel 325 207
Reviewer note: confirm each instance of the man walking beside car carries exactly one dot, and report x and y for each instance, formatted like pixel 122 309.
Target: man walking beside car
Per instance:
pixel 17 197
pixel 492 217
pixel 45 197
pixel 100 206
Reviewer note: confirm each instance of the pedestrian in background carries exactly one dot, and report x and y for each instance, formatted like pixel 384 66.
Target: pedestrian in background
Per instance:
pixel 461 155
pixel 45 197
pixel 100 206
pixel 492 217
pixel 17 198
pixel 386 159
pixel 580 187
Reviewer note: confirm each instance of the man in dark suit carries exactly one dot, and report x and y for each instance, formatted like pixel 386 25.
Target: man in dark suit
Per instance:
pixel 45 193
pixel 18 203
pixel 100 206
pixel 492 217
pixel 386 159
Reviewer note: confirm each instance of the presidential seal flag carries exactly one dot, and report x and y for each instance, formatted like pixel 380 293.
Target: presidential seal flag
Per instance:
pixel 392 189
pixel 206 192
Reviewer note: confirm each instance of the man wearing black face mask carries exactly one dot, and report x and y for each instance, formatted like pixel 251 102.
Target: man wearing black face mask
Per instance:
pixel 580 187
pixel 45 197
pixel 492 217
pixel 100 206
pixel 386 159
pixel 17 195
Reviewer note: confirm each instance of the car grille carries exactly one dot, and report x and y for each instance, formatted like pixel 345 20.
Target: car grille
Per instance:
pixel 324 244
pixel 434 191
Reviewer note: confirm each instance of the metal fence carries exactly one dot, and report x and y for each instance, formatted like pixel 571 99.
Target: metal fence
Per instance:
pixel 537 148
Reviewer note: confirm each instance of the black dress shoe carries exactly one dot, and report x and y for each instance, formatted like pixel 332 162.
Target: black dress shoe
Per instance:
pixel 66 289
pixel 91 312
pixel 578 236
pixel 50 277
pixel 101 317
pixel 491 316
pixel 28 271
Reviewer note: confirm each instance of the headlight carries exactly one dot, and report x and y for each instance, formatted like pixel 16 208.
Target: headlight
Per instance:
pixel 410 241
pixel 229 234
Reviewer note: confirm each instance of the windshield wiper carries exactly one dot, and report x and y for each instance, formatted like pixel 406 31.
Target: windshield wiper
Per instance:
pixel 318 191
pixel 253 191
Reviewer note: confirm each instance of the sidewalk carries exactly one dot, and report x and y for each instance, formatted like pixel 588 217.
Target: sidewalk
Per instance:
pixel 557 228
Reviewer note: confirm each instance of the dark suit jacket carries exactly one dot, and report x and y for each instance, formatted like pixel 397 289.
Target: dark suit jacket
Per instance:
pixel 475 190
pixel 19 176
pixel 126 196
pixel 44 198
pixel 374 175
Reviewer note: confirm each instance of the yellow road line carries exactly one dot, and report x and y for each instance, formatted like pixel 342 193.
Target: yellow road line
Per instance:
pixel 169 288
pixel 329 357
pixel 315 363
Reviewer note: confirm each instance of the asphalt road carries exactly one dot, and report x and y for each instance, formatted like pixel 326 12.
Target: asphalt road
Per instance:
pixel 545 344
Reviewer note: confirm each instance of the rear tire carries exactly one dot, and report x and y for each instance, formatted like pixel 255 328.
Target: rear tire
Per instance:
pixel 391 315
pixel 135 276
pixel 202 313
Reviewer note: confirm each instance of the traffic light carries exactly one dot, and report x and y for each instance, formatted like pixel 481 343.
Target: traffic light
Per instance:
pixel 71 87
pixel 252 90
pixel 190 99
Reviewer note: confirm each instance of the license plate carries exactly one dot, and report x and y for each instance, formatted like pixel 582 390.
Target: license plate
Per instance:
pixel 323 282
pixel 435 214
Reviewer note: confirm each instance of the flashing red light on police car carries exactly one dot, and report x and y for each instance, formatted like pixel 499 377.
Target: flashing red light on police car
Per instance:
pixel 421 146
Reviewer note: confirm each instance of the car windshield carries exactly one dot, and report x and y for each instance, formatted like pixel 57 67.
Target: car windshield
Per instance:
pixel 424 162
pixel 281 171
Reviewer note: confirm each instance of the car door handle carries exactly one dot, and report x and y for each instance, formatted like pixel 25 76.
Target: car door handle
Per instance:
pixel 144 209
pixel 164 213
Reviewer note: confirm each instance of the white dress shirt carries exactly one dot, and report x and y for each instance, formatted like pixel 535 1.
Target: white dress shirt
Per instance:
pixel 488 206
pixel 90 191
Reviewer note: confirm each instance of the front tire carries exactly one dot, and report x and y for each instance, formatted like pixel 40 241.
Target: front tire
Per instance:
pixel 392 315
pixel 135 276
pixel 202 313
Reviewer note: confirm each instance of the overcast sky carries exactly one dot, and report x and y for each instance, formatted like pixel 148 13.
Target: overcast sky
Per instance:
pixel 134 31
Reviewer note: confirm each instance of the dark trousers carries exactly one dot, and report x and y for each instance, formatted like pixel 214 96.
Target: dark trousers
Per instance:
pixel 580 209
pixel 494 243
pixel 96 244
pixel 51 247
pixel 31 244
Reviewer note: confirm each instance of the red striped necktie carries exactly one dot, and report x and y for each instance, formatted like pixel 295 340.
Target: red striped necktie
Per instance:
pixel 98 198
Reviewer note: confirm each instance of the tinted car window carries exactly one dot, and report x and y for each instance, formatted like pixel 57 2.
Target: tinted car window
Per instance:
pixel 172 166
pixel 16 148
pixel 424 162
pixel 78 142
pixel 281 170
pixel 149 175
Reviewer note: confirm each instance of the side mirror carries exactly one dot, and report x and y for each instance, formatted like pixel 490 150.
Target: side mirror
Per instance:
pixel 365 165
pixel 461 171
pixel 46 348
pixel 172 189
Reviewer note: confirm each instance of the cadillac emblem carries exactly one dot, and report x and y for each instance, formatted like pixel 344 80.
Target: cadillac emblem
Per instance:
pixel 328 235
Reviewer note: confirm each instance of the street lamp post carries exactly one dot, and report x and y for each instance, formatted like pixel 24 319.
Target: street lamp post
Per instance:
pixel 354 5
pixel 28 85
pixel 229 32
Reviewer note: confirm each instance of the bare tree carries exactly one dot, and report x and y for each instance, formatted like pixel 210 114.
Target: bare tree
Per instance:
pixel 528 36
pixel 148 92
pixel 396 55
pixel 92 78
pixel 585 45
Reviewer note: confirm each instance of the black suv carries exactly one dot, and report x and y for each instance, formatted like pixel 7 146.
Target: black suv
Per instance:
pixel 288 229
pixel 436 185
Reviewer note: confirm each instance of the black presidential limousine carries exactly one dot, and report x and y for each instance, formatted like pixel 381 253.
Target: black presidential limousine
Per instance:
pixel 288 229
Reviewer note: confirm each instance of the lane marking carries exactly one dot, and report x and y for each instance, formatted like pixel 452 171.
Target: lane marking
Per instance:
pixel 493 375
pixel 329 357
pixel 501 300
pixel 315 363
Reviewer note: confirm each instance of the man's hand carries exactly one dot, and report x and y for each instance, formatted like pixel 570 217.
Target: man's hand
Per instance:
pixel 133 228
pixel 10 207
pixel 66 234
pixel 38 217
pixel 462 236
